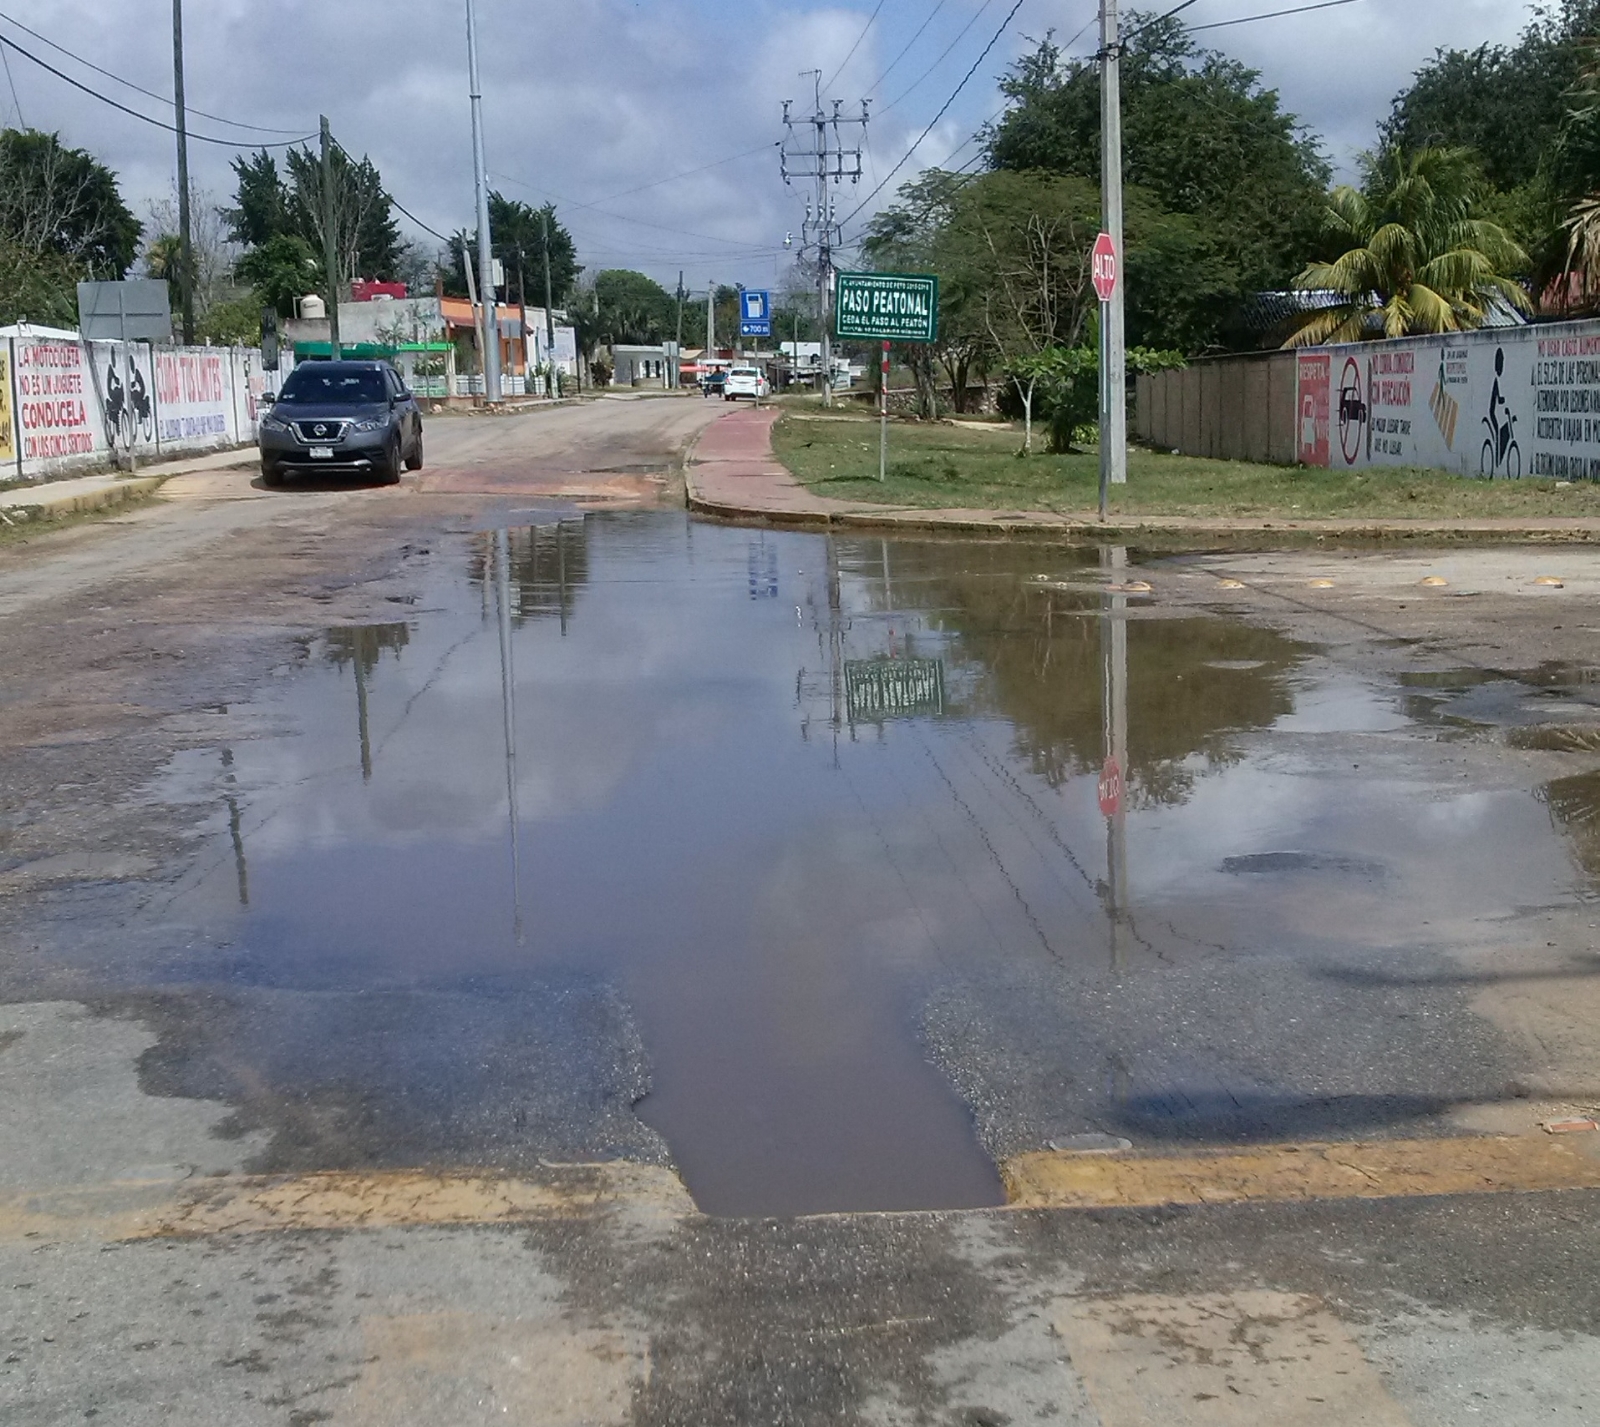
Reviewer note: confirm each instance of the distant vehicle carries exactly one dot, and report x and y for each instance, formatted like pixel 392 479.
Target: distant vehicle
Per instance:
pixel 746 381
pixel 713 383
pixel 352 418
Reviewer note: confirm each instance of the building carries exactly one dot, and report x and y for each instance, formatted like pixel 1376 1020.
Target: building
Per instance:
pixel 645 366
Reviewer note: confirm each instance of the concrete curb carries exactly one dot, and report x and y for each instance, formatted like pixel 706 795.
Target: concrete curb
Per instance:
pixel 825 514
pixel 39 506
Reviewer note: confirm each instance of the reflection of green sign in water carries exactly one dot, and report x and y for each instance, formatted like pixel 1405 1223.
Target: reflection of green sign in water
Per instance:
pixel 887 307
pixel 888 688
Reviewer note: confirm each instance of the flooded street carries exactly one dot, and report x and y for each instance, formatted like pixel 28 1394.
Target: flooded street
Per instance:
pixel 811 830
pixel 502 950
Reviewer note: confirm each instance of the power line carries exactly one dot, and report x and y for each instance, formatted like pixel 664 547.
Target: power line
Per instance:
pixel 1148 24
pixel 688 172
pixel 909 43
pixel 8 42
pixel 1271 15
pixel 11 80
pixel 607 213
pixel 966 78
pixel 935 65
pixel 138 89
pixel 871 21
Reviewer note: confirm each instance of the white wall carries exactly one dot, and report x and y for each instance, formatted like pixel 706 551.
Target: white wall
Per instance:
pixel 74 404
pixel 1507 402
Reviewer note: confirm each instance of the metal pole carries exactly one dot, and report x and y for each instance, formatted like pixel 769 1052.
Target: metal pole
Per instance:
pixel 127 379
pixel 1113 365
pixel 1115 665
pixel 883 416
pixel 491 324
pixel 550 310
pixel 508 711
pixel 330 239
pixel 711 325
pixel 185 237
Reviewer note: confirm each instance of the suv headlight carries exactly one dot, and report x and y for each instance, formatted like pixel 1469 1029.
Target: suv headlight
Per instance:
pixel 269 422
pixel 376 423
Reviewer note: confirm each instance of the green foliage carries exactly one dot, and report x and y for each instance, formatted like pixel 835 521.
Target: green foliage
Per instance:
pixel 516 237
pixel 1228 184
pixel 37 286
pixel 280 270
pixel 1412 254
pixel 261 202
pixel 235 323
pixel 1065 382
pixel 632 309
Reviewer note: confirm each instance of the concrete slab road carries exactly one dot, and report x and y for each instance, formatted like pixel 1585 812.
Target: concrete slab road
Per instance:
pixel 502 951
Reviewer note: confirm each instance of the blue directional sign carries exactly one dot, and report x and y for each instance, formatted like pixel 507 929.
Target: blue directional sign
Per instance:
pixel 755 313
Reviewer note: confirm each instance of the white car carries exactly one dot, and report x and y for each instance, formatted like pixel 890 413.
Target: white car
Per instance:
pixel 745 381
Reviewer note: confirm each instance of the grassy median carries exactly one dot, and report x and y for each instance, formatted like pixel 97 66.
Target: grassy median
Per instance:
pixel 935 464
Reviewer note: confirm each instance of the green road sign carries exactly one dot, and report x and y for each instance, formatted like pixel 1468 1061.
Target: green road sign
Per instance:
pixel 887 307
pixel 877 689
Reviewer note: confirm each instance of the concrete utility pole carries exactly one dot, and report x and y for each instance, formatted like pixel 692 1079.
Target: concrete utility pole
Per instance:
pixel 711 322
pixel 549 307
pixel 491 322
pixel 1113 342
pixel 185 234
pixel 330 238
pixel 825 160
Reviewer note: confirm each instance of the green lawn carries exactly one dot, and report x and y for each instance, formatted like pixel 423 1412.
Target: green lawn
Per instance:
pixel 935 464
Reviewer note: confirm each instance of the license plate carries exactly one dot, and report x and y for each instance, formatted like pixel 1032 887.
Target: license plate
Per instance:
pixel 322 453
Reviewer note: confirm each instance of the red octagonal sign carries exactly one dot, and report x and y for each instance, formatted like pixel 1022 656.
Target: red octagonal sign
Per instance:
pixel 1104 267
pixel 1111 788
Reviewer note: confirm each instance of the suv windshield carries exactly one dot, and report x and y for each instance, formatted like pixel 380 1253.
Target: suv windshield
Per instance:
pixel 334 387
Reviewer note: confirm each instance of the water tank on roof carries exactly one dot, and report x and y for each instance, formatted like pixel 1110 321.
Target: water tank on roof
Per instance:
pixel 312 308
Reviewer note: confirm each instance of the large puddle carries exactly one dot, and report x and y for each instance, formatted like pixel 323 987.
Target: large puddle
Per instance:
pixel 778 790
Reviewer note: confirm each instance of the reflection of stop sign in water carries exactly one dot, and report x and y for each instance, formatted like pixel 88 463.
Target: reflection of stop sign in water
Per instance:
pixel 1104 267
pixel 1111 788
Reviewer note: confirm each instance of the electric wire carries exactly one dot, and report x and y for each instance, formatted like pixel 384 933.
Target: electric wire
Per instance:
pixel 871 21
pixel 908 46
pixel 11 80
pixel 8 42
pixel 1271 15
pixel 390 198
pixel 944 109
pixel 935 65
pixel 605 212
pixel 138 89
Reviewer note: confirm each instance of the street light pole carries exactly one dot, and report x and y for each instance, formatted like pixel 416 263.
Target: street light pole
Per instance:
pixel 550 311
pixel 491 322
pixel 185 235
pixel 1113 342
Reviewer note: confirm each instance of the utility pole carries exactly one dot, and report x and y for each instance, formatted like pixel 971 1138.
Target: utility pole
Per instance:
pixel 825 160
pixel 549 305
pixel 330 238
pixel 185 234
pixel 711 322
pixel 491 322
pixel 680 309
pixel 1113 341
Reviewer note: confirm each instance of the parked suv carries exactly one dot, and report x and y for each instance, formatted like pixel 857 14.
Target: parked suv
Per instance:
pixel 350 418
pixel 745 381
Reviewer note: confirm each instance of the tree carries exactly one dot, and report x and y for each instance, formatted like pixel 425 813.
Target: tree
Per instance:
pixel 516 237
pixel 211 250
pixel 62 220
pixel 632 309
pixel 1414 257
pixel 282 269
pixel 1231 184
pixel 261 207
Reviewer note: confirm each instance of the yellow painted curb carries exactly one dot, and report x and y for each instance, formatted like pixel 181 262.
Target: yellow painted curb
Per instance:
pixel 379 1200
pixel 1383 1169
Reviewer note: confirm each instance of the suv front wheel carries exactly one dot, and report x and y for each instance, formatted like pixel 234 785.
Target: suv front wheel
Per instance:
pixel 388 469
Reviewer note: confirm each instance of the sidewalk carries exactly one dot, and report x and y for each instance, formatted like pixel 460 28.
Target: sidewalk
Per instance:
pixel 50 500
pixel 733 474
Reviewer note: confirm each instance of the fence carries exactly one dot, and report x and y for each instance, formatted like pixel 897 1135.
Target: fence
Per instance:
pixel 68 405
pixel 1228 408
pixel 1502 402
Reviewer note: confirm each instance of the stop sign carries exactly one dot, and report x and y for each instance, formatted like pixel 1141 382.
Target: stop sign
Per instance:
pixel 1104 267
pixel 1110 788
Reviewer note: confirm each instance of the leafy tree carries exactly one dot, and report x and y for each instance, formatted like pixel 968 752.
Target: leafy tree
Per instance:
pixel 516 237
pixel 1231 184
pixel 631 308
pixel 1067 383
pixel 261 202
pixel 1414 255
pixel 281 269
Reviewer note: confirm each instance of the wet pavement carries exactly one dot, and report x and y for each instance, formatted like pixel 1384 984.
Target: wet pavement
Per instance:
pixel 786 860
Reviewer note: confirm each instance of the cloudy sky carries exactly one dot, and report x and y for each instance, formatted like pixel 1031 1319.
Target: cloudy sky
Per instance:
pixel 652 124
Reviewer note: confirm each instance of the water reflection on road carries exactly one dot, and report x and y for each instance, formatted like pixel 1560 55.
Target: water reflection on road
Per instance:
pixel 828 812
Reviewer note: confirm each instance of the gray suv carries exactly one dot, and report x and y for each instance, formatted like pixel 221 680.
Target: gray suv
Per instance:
pixel 348 418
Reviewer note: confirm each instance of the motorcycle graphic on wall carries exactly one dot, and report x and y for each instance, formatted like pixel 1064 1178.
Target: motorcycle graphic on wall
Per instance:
pixel 129 412
pixel 1501 455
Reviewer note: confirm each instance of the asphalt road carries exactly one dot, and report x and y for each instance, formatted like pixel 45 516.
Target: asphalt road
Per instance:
pixel 251 1174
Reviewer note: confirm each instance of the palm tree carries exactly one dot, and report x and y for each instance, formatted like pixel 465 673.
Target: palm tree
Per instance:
pixel 1417 260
